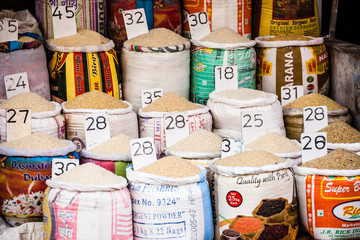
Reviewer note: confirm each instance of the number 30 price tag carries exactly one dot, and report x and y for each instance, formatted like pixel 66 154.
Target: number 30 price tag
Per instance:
pixel 97 129
pixel 16 83
pixel 64 21
pixel 62 165
pixel 135 22
pixel 8 30
pixel 199 25
pixel 230 147
pixel 226 77
pixel 314 145
pixel 315 118
pixel 143 152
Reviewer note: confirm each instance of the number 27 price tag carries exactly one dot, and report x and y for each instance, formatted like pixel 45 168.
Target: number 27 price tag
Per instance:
pixel 143 152
pixel 62 165
pixel 199 25
pixel 313 145
pixel 18 123
pixel 135 22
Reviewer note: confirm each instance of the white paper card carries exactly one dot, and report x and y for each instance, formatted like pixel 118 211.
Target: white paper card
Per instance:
pixel 226 77
pixel 199 25
pixel 149 95
pixel 62 165
pixel 135 22
pixel 16 83
pixel 290 93
pixel 315 118
pixel 143 152
pixel 97 129
pixel 230 147
pixel 313 145
pixel 176 127
pixel 18 123
pixel 252 125
pixel 64 21
pixel 8 30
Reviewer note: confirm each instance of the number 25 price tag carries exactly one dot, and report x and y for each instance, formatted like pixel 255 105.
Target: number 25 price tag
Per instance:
pixel 142 152
pixel 64 21
pixel 176 127
pixel 315 118
pixel 18 123
pixel 290 93
pixel 149 95
pixel 97 129
pixel 62 165
pixel 199 25
pixel 16 83
pixel 226 77
pixel 230 147
pixel 135 22
pixel 252 125
pixel 313 145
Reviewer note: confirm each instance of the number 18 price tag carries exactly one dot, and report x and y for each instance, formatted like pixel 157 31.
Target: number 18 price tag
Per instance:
pixel 135 22
pixel 143 152
pixel 16 83
pixel 97 129
pixel 313 145
pixel 226 77
pixel 199 25
pixel 64 21
pixel 62 165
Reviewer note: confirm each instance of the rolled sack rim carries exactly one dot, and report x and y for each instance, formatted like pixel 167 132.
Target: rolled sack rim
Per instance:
pixel 167 49
pixel 223 46
pixel 86 49
pixel 353 147
pixel 261 42
pixel 285 155
pixel 202 110
pixel 304 171
pixel 40 115
pixel 115 111
pixel 105 157
pixel 295 112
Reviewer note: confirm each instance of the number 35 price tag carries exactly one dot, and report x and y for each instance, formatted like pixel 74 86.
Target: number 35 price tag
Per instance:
pixel 314 145
pixel 142 152
pixel 8 30
pixel 64 21
pixel 62 165
pixel 16 83
pixel 97 129
pixel 149 95
pixel 135 22
pixel 199 25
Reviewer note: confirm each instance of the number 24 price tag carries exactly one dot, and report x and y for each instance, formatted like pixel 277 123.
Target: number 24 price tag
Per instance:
pixel 199 25
pixel 62 165
pixel 135 22
pixel 226 77
pixel 314 145
pixel 8 30
pixel 97 129
pixel 142 152
pixel 64 21
pixel 315 118
pixel 16 83
pixel 230 147
pixel 149 95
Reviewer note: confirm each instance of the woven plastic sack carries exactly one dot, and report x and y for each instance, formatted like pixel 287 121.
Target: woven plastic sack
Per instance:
pixel 159 14
pixel 240 191
pixel 22 185
pixel 205 56
pixel 152 124
pixel 90 14
pixel 330 193
pixel 75 211
pixel 51 122
pixel 288 63
pixel 26 21
pixel 144 68
pixel 76 70
pixel 121 121
pixel 285 17
pixel 234 14
pixel 179 208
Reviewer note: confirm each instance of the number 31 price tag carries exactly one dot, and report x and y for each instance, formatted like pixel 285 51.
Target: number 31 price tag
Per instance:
pixel 135 22
pixel 142 152
pixel 64 21
pixel 199 25
pixel 16 83
pixel 62 165
pixel 290 93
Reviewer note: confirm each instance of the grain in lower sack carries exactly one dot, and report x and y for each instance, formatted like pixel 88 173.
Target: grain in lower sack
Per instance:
pixel 253 193
pixel 293 113
pixel 80 63
pixel 172 196
pixel 286 60
pixel 222 47
pixel 45 115
pixel 122 119
pixel 151 117
pixel 113 154
pixel 157 59
pixel 25 166
pixel 227 107
pixel 87 197
pixel 329 186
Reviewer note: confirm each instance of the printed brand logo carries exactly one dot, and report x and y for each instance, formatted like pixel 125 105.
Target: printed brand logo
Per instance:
pixel 234 198
pixel 199 67
pixel 348 211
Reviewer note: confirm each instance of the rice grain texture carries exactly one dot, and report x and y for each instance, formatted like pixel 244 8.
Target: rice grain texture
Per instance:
pixel 341 132
pixel 255 158
pixel 119 144
pixel 225 35
pixel 171 102
pixel 243 94
pixel 313 100
pixel 28 100
pixel 274 143
pixel 284 37
pixel 83 37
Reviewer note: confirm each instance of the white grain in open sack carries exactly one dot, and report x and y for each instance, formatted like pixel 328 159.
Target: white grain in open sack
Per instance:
pixel 45 115
pixel 95 196
pixel 224 35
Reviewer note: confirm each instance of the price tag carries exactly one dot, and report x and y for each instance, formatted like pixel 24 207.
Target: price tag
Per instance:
pixel 97 129
pixel 64 21
pixel 199 25
pixel 8 30
pixel 252 125
pixel 16 83
pixel 176 127
pixel 61 165
pixel 315 118
pixel 230 147
pixel 226 77
pixel 135 22
pixel 18 123
pixel 149 95
pixel 143 152
pixel 290 93
pixel 313 145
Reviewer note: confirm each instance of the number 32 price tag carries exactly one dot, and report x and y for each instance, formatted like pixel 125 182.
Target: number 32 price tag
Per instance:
pixel 314 145
pixel 97 129
pixel 61 165
pixel 135 22
pixel 142 152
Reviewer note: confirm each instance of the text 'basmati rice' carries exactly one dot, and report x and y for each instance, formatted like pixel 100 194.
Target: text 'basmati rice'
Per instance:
pixel 225 35
pixel 199 141
pixel 341 132
pixel 338 159
pixel 284 37
pixel 89 174
pixel 119 144
pixel 36 141
pixel 172 166
pixel 28 100
pixel 255 158
pixel 157 37
pixel 243 94
pixel 274 143
pixel 83 37
pixel 313 100
pixel 171 102
pixel 95 100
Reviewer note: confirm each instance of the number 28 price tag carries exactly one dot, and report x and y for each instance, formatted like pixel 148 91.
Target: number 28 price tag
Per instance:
pixel 315 118
pixel 313 145
pixel 199 25
pixel 252 125
pixel 149 95
pixel 97 129
pixel 135 22
pixel 16 83
pixel 18 123
pixel 64 21
pixel 62 165
pixel 176 127
pixel 230 147
pixel 143 152
pixel 290 93
pixel 226 77
pixel 8 30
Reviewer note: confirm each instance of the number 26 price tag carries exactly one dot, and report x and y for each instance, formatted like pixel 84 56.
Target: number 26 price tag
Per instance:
pixel 226 77
pixel 62 165
pixel 143 152
pixel 64 21
pixel 97 129
pixel 199 25
pixel 135 22
pixel 315 118
pixel 16 83
pixel 8 30
pixel 314 145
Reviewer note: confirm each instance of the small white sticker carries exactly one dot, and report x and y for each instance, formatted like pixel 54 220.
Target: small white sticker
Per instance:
pixel 18 123
pixel 97 129
pixel 290 93
pixel 143 152
pixel 16 83
pixel 8 30
pixel 230 147
pixel 62 165
pixel 252 125
pixel 135 22
pixel 149 95
pixel 315 118
pixel 313 145
pixel 176 127
pixel 64 21
pixel 226 77
pixel 199 25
